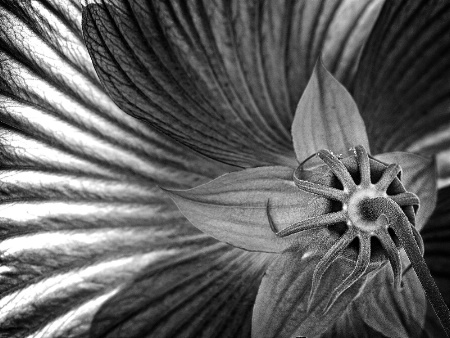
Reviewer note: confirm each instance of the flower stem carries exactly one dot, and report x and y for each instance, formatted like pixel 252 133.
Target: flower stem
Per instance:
pixel 402 228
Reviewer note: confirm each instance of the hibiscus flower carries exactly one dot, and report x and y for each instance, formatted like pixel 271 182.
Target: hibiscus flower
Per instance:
pixel 91 246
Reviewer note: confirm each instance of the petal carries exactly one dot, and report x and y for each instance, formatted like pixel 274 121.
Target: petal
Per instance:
pixel 402 87
pixel 222 77
pixel 443 167
pixel 351 325
pixel 326 117
pixel 382 313
pixel 394 313
pixel 418 176
pixel 281 305
pixel 233 208
pixel 82 219
pixel 436 236
pixel 172 299
pixel 50 95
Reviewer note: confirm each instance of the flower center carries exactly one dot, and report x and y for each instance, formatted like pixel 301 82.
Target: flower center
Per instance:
pixel 360 206
pixel 374 205
pixel 362 212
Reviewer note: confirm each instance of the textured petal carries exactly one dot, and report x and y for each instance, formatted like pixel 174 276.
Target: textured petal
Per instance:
pixel 171 300
pixel 443 167
pixel 418 176
pixel 436 236
pixel 394 313
pixel 223 77
pixel 402 87
pixel 326 118
pixel 83 223
pixel 233 208
pixel 281 305
pixel 351 325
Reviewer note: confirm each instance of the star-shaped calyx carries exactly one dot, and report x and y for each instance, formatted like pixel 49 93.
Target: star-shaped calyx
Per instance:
pixel 331 225
pixel 359 212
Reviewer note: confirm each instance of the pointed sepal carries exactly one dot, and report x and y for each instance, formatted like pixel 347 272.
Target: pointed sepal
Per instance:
pixel 234 208
pixel 326 117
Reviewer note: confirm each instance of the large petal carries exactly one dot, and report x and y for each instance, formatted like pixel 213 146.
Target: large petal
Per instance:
pixel 394 313
pixel 281 308
pixel 326 117
pixel 402 86
pixel 202 293
pixel 436 236
pixel 418 176
pixel 234 208
pixel 380 311
pixel 83 223
pixel 443 167
pixel 223 77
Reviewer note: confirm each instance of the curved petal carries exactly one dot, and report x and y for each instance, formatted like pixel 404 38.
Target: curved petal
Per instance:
pixel 233 208
pixel 223 77
pixel 326 117
pixel 281 307
pixel 402 87
pixel 351 325
pixel 418 176
pixel 394 313
pixel 82 219
pixel 384 312
pixel 443 168
pixel 436 236
pixel 170 299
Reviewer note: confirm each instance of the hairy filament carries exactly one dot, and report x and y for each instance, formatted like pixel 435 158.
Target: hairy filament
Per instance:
pixel 364 165
pixel 338 168
pixel 392 254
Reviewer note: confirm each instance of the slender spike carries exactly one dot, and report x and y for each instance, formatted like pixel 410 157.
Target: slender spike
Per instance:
pixel 326 261
pixel 360 268
pixel 392 254
pixel 307 224
pixel 271 223
pixel 405 199
pixel 402 228
pixel 338 168
pixel 306 160
pixel 322 190
pixel 313 222
pixel 388 176
pixel 364 165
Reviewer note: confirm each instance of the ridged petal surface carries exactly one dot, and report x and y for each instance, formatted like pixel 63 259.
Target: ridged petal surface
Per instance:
pixel 402 86
pixel 83 223
pixel 223 77
pixel 436 237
